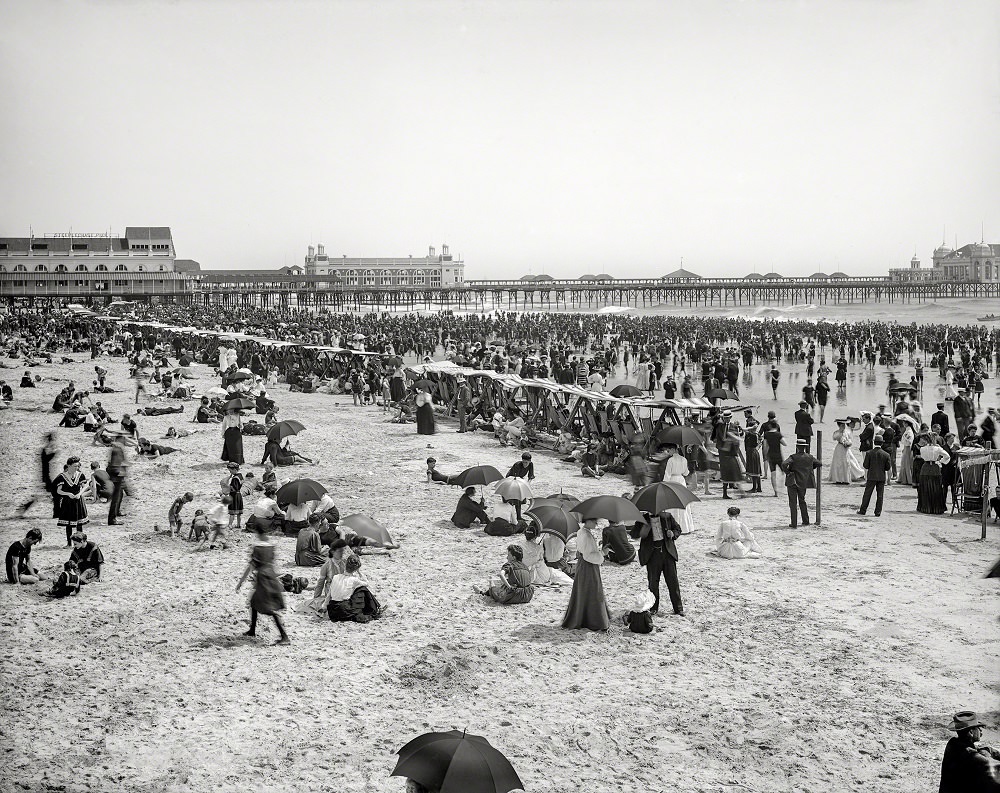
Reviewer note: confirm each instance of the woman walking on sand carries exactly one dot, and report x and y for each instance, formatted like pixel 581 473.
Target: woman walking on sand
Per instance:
pixel 268 594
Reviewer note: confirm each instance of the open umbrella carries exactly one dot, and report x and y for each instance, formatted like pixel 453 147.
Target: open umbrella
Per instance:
pixel 424 385
pixel 285 428
pixel 720 393
pixel 514 488
pixel 661 496
pixel 217 391
pixel 680 436
pixel 299 491
pixel 245 375
pixel 239 403
pixel 478 475
pixel 555 520
pixel 367 526
pixel 625 390
pixel 563 499
pixel 613 508
pixel 455 762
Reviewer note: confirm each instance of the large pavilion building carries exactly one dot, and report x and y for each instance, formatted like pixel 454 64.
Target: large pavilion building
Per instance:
pixel 434 269
pixel 92 266
pixel 978 262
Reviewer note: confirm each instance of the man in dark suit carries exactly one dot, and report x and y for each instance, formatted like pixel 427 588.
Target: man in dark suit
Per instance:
pixel 800 476
pixel 967 767
pixel 940 418
pixel 803 424
pixel 965 412
pixel 891 434
pixel 878 463
pixel 866 439
pixel 658 554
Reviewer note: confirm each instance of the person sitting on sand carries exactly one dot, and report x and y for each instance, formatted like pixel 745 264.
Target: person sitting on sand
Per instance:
pixel 533 556
pixel 350 598
pixel 309 552
pixel 266 514
pixel 6 392
pixel 470 510
pixel 640 618
pixel 433 475
pixel 204 414
pixel 616 546
pixel 18 561
pixel 100 484
pixel 514 584
pixel 26 381
pixel 68 583
pixel 525 469
pixel 88 558
pixel 288 456
pixel 336 563
pixel 734 540
pixel 505 521
pixel 74 416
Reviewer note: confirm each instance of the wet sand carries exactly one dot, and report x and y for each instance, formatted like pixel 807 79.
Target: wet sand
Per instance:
pixel 833 663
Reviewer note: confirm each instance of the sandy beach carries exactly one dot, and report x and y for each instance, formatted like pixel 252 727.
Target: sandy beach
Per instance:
pixel 832 663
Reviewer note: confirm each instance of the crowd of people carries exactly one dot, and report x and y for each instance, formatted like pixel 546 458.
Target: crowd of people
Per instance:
pixel 656 356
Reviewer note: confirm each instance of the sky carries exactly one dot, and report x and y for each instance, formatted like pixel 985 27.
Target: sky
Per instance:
pixel 531 137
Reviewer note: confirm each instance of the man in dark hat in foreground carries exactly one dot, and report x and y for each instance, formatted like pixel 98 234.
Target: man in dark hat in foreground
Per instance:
pixel 803 424
pixel 800 476
pixel 968 767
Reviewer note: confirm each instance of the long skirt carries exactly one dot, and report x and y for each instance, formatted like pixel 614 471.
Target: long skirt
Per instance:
pixel 844 466
pixel 425 420
pixel 268 594
pixel 905 469
pixel 232 445
pixel 731 472
pixel 754 468
pixel 360 607
pixel 587 606
pixel 930 493
pixel 397 390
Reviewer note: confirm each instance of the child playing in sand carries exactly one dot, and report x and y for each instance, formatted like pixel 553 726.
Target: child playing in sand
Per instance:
pixel 199 526
pixel 174 513
pixel 218 521
pixel 640 618
pixel 68 583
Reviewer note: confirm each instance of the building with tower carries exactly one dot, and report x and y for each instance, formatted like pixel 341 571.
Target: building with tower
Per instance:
pixel 977 262
pixel 434 269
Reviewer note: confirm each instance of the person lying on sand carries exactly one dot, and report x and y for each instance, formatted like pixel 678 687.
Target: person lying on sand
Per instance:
pixel 173 432
pixel 159 410
pixel 153 450
pixel 433 475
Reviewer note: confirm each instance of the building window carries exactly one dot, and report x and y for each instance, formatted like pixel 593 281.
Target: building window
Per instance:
pixel 39 246
pixel 20 268
pixel 121 283
pixel 64 283
pixel 162 268
pixel 40 284
pixel 139 268
pixel 61 268
pixel 41 268
pixel 79 246
pixel 385 279
pixel 369 278
pixel 101 268
pixel 419 279
pixel 81 268
pixel 121 268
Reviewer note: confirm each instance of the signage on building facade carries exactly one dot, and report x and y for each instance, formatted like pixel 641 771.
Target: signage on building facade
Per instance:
pixel 77 235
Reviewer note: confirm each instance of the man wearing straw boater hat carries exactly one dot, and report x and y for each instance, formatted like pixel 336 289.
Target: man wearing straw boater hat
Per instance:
pixel 968 767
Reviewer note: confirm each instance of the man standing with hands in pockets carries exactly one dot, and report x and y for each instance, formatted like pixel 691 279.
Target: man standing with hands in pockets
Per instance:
pixel 878 463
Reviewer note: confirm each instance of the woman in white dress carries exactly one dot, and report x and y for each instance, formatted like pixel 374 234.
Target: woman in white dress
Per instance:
pixel 734 540
pixel 534 559
pixel 845 468
pixel 950 392
pixel 904 471
pixel 676 471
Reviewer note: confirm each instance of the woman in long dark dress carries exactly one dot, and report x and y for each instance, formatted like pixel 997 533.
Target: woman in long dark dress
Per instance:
pixel 425 414
pixel 268 594
pixel 70 488
pixel 587 607
pixel 397 385
pixel 232 437
pixel 751 447
pixel 930 486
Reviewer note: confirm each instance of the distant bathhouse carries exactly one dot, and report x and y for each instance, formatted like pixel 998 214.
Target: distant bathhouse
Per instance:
pixel 978 262
pixel 434 269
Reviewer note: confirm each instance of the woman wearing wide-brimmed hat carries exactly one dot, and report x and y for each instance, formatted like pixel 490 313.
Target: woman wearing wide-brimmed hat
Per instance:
pixel 844 467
